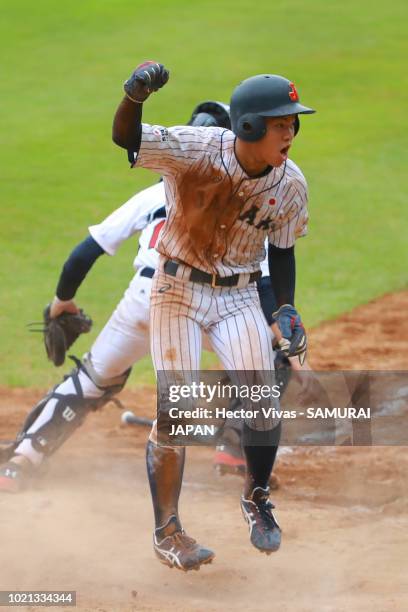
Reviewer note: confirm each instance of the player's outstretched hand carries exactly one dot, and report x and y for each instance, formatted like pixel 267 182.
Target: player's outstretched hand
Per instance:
pixel 148 77
pixel 294 342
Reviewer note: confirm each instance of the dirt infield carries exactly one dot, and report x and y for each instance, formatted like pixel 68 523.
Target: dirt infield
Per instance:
pixel 86 526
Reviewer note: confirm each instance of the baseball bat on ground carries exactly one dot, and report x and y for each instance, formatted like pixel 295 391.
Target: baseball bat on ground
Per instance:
pixel 130 418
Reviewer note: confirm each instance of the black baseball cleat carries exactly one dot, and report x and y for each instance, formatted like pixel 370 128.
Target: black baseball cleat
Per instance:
pixel 176 549
pixel 264 531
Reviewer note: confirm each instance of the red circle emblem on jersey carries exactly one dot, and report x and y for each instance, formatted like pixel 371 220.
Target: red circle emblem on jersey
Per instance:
pixel 272 201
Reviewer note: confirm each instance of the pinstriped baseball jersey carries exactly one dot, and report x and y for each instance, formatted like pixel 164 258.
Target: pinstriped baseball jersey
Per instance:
pixel 145 212
pixel 218 216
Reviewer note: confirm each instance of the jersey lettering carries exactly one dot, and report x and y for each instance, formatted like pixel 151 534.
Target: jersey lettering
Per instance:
pixel 264 224
pixel 249 215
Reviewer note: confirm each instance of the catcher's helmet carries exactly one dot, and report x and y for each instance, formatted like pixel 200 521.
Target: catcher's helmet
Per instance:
pixel 210 114
pixel 264 95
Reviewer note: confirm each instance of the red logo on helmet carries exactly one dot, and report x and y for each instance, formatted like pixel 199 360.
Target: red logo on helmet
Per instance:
pixel 293 94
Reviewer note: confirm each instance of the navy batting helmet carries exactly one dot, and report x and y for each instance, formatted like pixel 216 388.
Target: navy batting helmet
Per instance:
pixel 264 95
pixel 209 113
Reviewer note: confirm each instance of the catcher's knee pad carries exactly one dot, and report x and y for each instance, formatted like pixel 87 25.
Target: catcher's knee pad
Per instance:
pixel 111 385
pixel 63 410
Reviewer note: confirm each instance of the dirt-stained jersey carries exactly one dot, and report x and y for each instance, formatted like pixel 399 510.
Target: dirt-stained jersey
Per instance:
pixel 144 212
pixel 218 216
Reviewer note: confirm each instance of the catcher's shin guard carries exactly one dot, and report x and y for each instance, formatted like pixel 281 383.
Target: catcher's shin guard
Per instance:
pixel 54 419
pixel 165 466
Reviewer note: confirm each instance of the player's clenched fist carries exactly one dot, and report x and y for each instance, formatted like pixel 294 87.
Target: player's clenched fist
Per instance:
pixel 148 77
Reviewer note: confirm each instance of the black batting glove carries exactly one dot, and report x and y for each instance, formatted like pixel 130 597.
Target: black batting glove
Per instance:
pixel 294 341
pixel 148 77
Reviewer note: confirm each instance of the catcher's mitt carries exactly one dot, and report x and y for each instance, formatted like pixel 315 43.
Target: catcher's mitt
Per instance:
pixel 61 332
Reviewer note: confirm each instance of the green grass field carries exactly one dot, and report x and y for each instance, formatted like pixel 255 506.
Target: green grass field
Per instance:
pixel 62 74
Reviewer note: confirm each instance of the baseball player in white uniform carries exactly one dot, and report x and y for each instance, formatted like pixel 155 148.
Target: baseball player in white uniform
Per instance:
pixel 122 342
pixel 226 192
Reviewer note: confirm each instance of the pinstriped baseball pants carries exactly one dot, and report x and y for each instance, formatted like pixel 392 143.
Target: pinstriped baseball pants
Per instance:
pixel 233 320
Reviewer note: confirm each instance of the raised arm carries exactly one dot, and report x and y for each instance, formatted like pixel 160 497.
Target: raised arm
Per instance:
pixel 126 130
